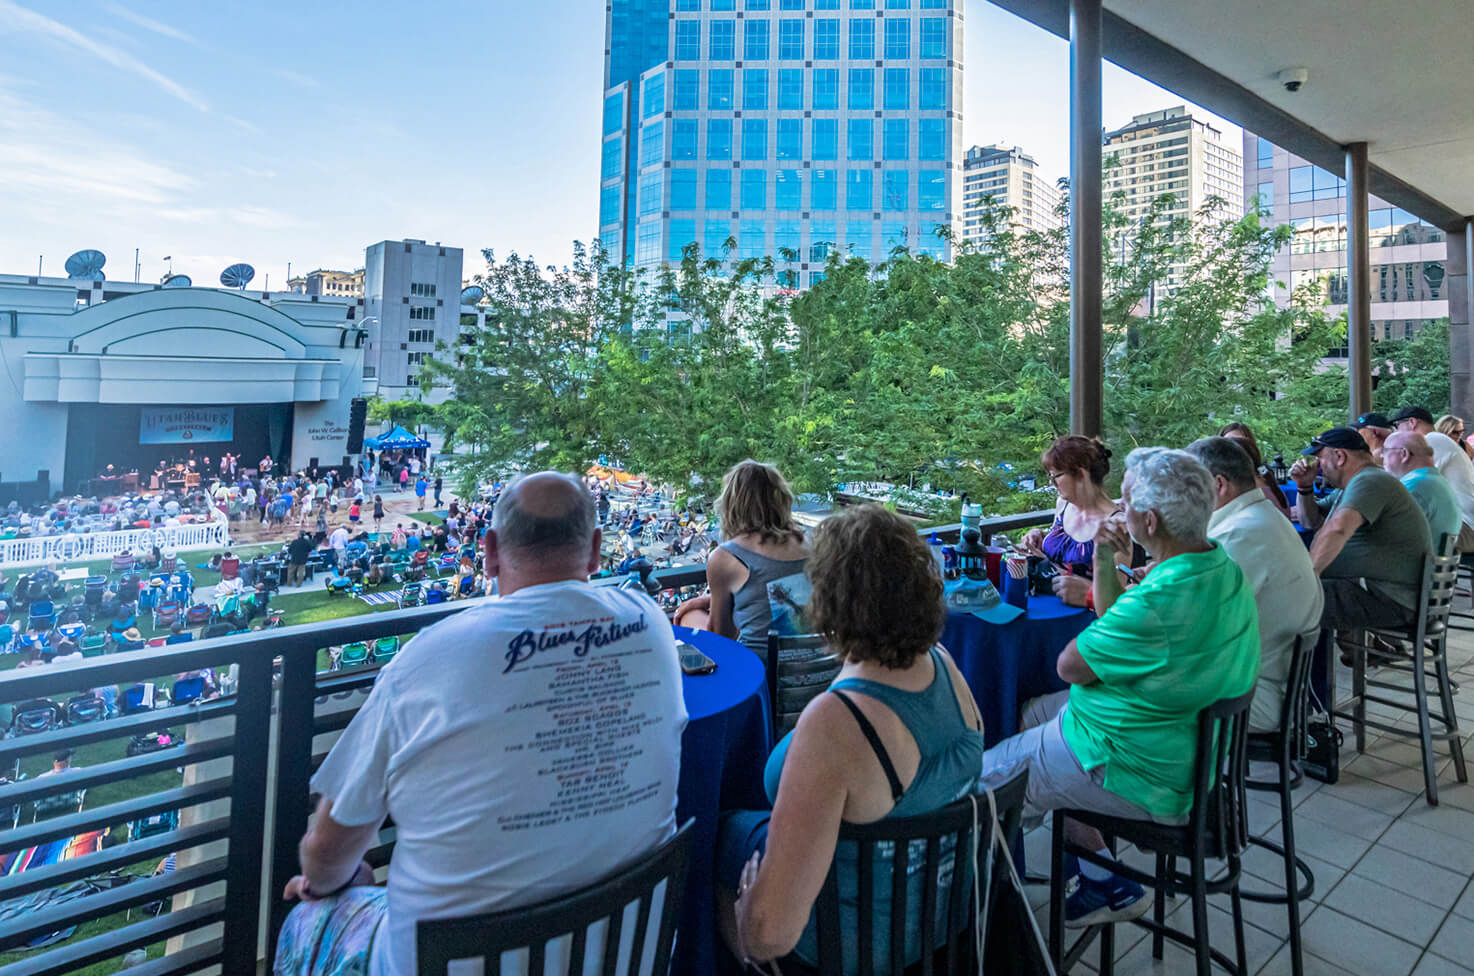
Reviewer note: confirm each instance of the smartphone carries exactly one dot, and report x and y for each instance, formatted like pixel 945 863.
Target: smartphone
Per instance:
pixel 1131 579
pixel 693 661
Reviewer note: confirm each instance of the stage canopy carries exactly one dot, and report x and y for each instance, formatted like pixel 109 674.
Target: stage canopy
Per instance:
pixel 397 439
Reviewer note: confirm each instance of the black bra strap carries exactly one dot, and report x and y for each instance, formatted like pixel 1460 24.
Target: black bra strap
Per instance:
pixel 875 744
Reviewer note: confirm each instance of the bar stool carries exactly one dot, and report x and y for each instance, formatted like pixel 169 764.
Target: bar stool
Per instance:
pixel 1285 747
pixel 1215 829
pixel 1427 640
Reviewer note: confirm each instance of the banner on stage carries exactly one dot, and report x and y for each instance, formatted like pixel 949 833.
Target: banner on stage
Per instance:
pixel 185 425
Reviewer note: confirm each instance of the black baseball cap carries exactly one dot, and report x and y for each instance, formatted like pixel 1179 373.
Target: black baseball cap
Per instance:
pixel 1372 420
pixel 1412 413
pixel 1343 438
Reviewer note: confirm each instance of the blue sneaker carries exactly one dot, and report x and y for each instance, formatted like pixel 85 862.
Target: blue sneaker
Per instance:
pixel 1116 899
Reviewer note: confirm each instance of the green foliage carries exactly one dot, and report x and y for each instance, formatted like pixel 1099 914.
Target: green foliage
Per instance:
pixel 1414 372
pixel 409 414
pixel 915 371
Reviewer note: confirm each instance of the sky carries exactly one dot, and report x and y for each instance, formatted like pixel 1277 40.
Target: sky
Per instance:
pixel 299 133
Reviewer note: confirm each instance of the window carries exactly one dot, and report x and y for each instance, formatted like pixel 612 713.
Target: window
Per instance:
pixel 752 242
pixel 718 138
pixel 613 157
pixel 897 39
pixel 862 4
pixel 683 189
pixel 862 88
pixel 652 144
pixel 859 189
pixel 860 139
pixel 790 139
pixel 418 313
pixel 654 89
pixel 896 139
pixel 931 189
pixel 683 139
pixel 608 205
pixel 858 235
pixel 893 235
pixel 721 43
pixel 894 186
pixel 1327 186
pixel 757 5
pixel 788 191
pixel 682 233
pixel 933 4
pixel 687 94
pixel 421 335
pixel 824 144
pixel 897 88
pixel 723 5
pixel 933 88
pixel 826 39
pixel 688 40
pixel 930 243
pixel 790 4
pixel 790 88
pixel 822 239
pixel 1266 197
pixel 786 237
pixel 1300 188
pixel 932 138
pixel 754 189
pixel 934 37
pixel 791 39
pixel 898 4
pixel 719 88
pixel 755 139
pixel 614 113
pixel 826 88
pixel 826 4
pixel 755 40
pixel 684 5
pixel 862 40
pixel 650 188
pixel 718 189
pixel 755 88
pixel 416 358
pixel 1266 153
pixel 823 190
pixel 714 234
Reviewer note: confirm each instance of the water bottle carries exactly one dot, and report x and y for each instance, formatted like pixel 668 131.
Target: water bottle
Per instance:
pixel 934 542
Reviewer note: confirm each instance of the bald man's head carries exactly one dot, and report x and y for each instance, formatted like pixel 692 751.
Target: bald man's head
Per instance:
pixel 544 517
pixel 1405 451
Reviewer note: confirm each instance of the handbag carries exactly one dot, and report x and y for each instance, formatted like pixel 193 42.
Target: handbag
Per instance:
pixel 1322 749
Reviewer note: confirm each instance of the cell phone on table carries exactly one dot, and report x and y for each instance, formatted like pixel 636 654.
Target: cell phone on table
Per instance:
pixel 693 661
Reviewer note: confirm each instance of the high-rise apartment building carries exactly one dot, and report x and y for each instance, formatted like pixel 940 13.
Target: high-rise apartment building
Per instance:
pixel 787 125
pixel 1172 152
pixel 1407 255
pixel 412 300
pixel 1008 177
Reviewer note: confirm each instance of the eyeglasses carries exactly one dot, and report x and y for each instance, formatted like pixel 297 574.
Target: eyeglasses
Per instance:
pixel 1054 476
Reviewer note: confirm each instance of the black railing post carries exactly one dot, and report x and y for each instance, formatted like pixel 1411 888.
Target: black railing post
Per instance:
pixel 247 816
pixel 293 773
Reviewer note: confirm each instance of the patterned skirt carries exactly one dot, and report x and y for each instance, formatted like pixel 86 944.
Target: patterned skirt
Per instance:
pixel 332 937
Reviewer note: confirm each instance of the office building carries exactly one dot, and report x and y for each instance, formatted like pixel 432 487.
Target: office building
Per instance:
pixel 790 126
pixel 1407 255
pixel 1007 177
pixel 411 301
pixel 336 284
pixel 1172 152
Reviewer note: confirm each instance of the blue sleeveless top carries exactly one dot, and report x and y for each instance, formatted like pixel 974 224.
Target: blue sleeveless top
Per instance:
pixel 951 762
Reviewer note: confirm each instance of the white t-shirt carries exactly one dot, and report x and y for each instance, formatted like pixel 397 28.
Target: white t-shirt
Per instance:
pixel 525 748
pixel 1457 468
pixel 339 539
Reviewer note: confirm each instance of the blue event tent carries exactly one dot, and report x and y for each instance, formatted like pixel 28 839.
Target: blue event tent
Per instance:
pixel 396 440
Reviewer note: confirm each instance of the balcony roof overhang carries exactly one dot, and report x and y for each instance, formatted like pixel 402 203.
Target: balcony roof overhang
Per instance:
pixel 1408 93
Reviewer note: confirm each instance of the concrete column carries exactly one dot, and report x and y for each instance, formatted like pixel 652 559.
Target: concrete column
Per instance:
pixel 1458 284
pixel 1086 372
pixel 1359 281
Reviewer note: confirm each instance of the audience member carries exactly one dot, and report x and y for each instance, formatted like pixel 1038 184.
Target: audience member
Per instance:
pixel 1121 740
pixel 482 823
pixel 877 596
pixel 763 547
pixel 297 552
pixel 1451 459
pixel 1454 428
pixel 1268 550
pixel 1407 456
pixel 1374 428
pixel 1263 477
pixel 1371 537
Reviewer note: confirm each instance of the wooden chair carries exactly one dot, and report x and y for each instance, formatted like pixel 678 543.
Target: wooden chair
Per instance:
pixel 800 668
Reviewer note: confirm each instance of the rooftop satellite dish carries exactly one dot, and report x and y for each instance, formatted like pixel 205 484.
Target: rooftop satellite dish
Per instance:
pixel 86 264
pixel 178 281
pixel 472 294
pixel 237 276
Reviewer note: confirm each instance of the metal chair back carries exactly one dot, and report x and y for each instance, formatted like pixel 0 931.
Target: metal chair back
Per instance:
pixel 800 668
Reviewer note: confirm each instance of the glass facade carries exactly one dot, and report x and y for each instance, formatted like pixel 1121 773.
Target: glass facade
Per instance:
pixel 762 121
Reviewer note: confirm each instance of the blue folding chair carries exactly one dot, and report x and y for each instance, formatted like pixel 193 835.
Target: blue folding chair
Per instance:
pixel 72 632
pixel 183 638
pixel 188 690
pixel 42 615
pixel 7 638
pixel 132 702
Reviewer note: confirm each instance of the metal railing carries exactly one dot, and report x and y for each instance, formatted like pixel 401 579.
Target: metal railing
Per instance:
pixel 74 546
pixel 242 798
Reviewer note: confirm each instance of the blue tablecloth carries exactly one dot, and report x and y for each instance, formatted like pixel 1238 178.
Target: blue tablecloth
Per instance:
pixel 726 743
pixel 1006 665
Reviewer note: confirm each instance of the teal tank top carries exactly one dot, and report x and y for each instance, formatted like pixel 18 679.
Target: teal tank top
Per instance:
pixel 951 762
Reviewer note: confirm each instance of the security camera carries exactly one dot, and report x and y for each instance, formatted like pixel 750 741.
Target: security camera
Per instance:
pixel 1293 78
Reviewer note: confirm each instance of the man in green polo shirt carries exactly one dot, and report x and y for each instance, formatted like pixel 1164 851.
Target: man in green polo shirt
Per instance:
pixel 1122 740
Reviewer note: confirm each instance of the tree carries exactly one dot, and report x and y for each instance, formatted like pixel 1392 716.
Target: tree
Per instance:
pixel 1414 372
pixel 409 414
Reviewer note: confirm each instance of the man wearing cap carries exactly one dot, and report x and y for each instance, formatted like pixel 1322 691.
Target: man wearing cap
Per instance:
pixel 1374 429
pixel 1408 457
pixel 1449 458
pixel 1371 537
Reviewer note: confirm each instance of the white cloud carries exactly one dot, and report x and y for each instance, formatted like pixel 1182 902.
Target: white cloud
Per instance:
pixel 149 24
pixel 296 77
pixel 18 18
pixel 242 123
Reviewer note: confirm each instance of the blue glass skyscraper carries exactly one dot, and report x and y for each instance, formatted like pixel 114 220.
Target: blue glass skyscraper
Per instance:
pixel 794 127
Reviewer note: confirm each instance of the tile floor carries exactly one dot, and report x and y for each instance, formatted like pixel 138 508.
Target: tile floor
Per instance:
pixel 1394 877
